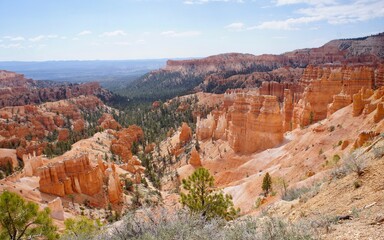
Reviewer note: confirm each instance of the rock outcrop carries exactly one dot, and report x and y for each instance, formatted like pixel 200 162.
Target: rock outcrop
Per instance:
pixel 363 138
pixel 194 160
pixel 108 122
pixel 122 145
pixel 253 123
pixel 115 191
pixel 57 210
pixel 70 176
pixel 256 126
pixel 321 85
pixel 16 90
pixel 185 134
pixel 339 101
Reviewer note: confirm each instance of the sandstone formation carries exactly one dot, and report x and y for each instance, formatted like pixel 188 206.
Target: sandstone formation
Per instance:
pixel 363 103
pixel 133 166
pixel 78 125
pixel 31 164
pixel 255 127
pixel 69 176
pixel 57 210
pixel 221 72
pixel 339 101
pixel 114 187
pixel 363 138
pixel 63 135
pixel 253 123
pixel 124 139
pixel 195 158
pixel 322 84
pixel 379 113
pixel 185 134
pixel 16 90
pixel 8 157
pixel 108 122
pixel 379 76
pixel 288 110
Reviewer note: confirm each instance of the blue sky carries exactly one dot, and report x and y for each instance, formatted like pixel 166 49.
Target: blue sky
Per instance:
pixel 35 30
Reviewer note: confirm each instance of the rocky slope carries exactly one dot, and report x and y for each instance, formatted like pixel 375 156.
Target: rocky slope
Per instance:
pixel 307 157
pixel 16 90
pixel 233 70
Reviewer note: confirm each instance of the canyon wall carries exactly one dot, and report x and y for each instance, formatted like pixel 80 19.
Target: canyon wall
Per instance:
pixel 16 90
pixel 252 120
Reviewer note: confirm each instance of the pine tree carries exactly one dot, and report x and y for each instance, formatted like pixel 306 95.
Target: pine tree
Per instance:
pixel 81 228
pixel 267 184
pixel 203 199
pixel 23 220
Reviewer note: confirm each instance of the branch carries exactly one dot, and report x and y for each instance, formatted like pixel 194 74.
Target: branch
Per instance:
pixel 26 226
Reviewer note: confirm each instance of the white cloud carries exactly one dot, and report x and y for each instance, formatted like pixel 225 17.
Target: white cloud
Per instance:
pixel 181 34
pixel 18 38
pixel 310 2
pixel 52 36
pixel 326 10
pixel 37 38
pixel 280 37
pixel 140 41
pixel 191 2
pixel 85 32
pixel 288 24
pixel 360 10
pixel 122 43
pixel 14 45
pixel 43 37
pixel 237 26
pixel 114 33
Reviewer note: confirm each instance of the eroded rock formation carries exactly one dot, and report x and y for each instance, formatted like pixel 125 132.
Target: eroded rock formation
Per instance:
pixel 195 158
pixel 57 210
pixel 108 122
pixel 16 90
pixel 124 139
pixel 253 123
pixel 185 134
pixel 69 176
pixel 322 84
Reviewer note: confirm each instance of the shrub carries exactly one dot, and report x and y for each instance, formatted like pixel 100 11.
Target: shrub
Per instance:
pixel 356 163
pixel 81 228
pixel 339 172
pixel 258 202
pixel 321 151
pixel 301 192
pixel 183 225
pixel 378 152
pixel 357 184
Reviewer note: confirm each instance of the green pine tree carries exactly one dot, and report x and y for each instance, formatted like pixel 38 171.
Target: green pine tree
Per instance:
pixel 203 199
pixel 81 228
pixel 267 184
pixel 23 220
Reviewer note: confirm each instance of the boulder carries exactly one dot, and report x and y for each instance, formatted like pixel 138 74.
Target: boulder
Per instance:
pixel 57 210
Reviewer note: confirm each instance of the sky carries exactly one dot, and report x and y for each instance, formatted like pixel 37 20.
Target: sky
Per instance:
pixel 40 30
